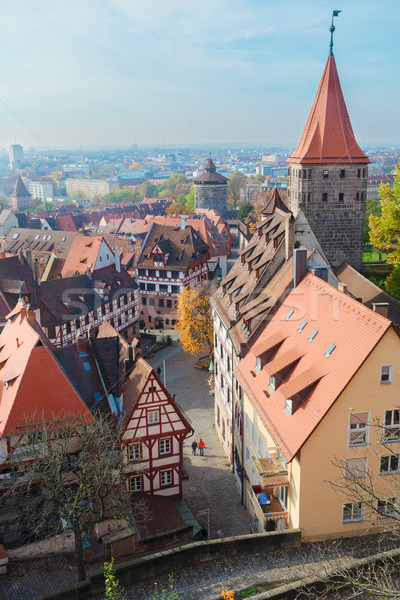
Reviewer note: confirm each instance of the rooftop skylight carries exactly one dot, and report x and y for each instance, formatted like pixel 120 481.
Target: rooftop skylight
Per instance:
pixel 329 351
pixel 289 315
pixel 300 329
pixel 312 335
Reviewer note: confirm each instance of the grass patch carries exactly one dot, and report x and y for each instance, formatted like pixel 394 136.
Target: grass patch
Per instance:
pixel 373 257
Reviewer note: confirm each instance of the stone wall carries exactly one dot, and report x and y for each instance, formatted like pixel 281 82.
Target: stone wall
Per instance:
pixel 151 567
pixel 337 221
pixel 211 196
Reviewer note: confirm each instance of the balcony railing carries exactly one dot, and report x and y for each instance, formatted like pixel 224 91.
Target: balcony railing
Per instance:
pixel 271 517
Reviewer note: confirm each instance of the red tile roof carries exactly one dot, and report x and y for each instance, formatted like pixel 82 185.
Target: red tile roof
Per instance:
pixel 82 255
pixel 340 320
pixel 328 136
pixel 33 385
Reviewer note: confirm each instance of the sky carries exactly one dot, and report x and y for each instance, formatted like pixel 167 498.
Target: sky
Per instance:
pixel 106 72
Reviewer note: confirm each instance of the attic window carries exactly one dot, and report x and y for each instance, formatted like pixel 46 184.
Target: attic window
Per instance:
pixel 15 236
pixel 44 237
pixel 300 329
pixel 90 265
pixel 289 315
pixel 312 336
pixel 258 363
pixel 329 351
pixel 97 396
pixel 87 366
pixel 63 239
pixel 288 406
pixel 37 237
pixel 48 237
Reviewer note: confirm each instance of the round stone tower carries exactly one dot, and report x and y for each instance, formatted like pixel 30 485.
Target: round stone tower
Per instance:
pixel 211 190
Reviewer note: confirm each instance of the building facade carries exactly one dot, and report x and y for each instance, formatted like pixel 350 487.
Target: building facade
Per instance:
pixel 90 187
pixel 170 259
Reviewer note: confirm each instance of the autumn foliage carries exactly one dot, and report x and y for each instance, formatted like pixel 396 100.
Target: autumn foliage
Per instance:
pixel 195 322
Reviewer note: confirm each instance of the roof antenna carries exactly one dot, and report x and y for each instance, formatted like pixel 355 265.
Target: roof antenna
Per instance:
pixel 332 28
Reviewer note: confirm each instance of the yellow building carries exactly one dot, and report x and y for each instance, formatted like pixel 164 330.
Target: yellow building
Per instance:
pixel 320 377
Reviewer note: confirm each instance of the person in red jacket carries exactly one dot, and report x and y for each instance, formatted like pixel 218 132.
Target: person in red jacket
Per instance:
pixel 201 446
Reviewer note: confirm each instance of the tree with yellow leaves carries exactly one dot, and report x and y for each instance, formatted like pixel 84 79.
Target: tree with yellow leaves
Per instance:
pixel 195 323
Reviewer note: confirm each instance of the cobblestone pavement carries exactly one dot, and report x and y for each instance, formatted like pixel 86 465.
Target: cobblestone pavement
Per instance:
pixel 211 483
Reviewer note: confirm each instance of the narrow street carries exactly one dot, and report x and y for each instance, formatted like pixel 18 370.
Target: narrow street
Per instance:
pixel 210 484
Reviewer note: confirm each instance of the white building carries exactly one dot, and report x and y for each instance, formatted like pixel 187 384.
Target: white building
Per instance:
pixel 16 154
pixel 40 190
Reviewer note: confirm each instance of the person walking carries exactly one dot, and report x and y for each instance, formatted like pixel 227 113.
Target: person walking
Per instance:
pixel 194 447
pixel 201 447
pixel 203 533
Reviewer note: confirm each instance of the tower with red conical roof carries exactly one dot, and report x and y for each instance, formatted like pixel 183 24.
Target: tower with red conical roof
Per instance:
pixel 211 190
pixel 328 174
pixel 21 198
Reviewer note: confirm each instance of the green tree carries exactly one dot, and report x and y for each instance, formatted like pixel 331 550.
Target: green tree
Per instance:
pixel 244 211
pixel 235 182
pixel 384 229
pixel 372 207
pixel 392 283
pixel 77 195
pixel 190 199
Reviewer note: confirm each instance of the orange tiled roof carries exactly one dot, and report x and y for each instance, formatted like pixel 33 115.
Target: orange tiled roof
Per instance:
pixel 340 320
pixel 328 135
pixel 33 385
pixel 82 255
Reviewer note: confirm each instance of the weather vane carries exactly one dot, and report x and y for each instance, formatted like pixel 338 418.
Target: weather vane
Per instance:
pixel 332 27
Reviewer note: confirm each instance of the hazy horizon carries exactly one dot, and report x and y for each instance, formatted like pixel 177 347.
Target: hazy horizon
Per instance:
pixel 101 73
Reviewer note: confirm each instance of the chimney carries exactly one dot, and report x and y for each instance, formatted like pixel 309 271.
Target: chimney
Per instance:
pixel 130 360
pixel 299 265
pixel 117 260
pixel 289 238
pixel 81 343
pixel 183 221
pixel 321 272
pixel 342 287
pixel 382 308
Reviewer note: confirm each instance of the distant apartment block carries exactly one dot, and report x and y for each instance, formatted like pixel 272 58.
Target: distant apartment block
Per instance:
pixel 39 190
pixel 90 188
pixel 16 155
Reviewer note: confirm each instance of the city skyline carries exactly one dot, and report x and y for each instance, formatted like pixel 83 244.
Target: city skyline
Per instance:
pixel 109 72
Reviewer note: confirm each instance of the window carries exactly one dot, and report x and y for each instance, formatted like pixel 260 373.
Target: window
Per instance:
pixel 153 416
pixel 175 274
pixel 223 429
pixel 364 172
pixel 308 196
pixel 68 327
pixel 161 302
pixel 289 315
pixel 342 173
pixel 135 452
pixel 169 303
pixel 166 478
pixel 325 174
pixel 151 301
pixel 309 173
pixel 391 431
pixel 329 351
pixel 228 364
pixel 144 301
pixel 253 433
pixel 218 416
pixel 353 512
pixel 387 508
pixel 312 336
pixel 165 446
pixel 358 429
pixel 175 289
pixel 300 329
pixel 142 272
pixel 389 463
pixel 247 421
pixel 358 173
pixel 142 286
pixel 163 287
pixel 324 197
pixel 341 197
pixel 358 197
pixel 135 484
pixel 151 273
pixel 87 366
pixel 260 447
pixel 247 455
pixel 51 332
pixel 151 287
pixel 386 374
pixel 355 467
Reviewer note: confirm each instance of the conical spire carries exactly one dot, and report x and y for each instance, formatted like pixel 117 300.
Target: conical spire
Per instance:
pixel 20 189
pixel 328 136
pixel 274 202
pixel 210 166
